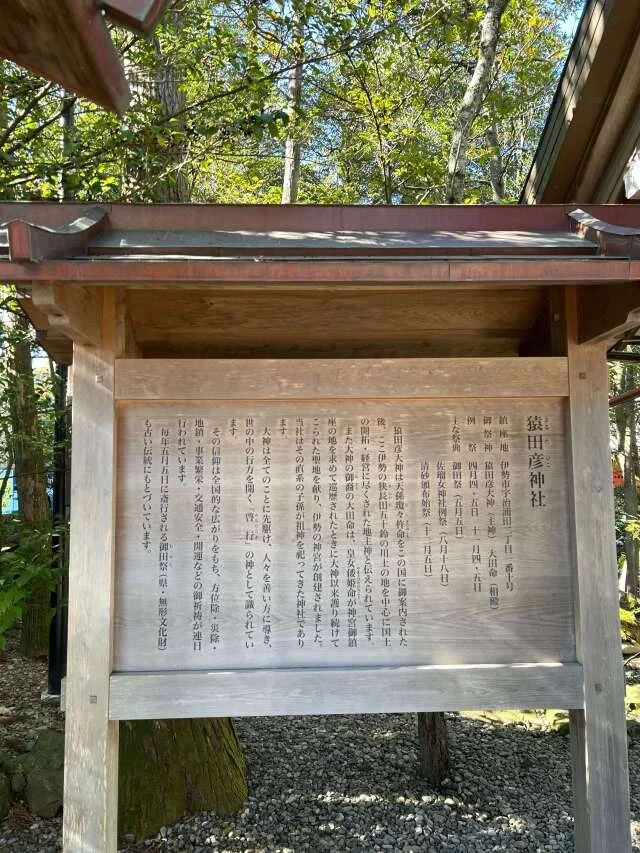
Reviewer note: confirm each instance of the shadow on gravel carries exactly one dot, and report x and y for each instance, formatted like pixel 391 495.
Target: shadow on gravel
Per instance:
pixel 349 783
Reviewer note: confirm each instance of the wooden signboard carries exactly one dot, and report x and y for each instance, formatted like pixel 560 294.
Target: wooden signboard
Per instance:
pixel 273 521
pixel 342 536
pixel 254 534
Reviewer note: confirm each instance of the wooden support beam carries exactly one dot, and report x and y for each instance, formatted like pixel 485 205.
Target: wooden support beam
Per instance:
pixel 273 692
pixel 339 378
pixel 606 312
pixel 91 742
pixel 29 243
pixel 56 344
pixel 141 16
pixel 327 274
pixel 71 309
pixel 598 730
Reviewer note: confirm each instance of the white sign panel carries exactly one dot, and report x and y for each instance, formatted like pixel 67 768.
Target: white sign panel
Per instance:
pixel 269 535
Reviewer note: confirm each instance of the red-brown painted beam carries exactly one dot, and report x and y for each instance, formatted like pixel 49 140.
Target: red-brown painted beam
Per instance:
pixel 324 217
pixel 326 272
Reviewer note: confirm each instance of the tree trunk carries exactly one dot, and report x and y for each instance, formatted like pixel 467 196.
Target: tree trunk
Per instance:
pixel 496 167
pixel 631 504
pixel 294 93
pixel 30 476
pixel 628 447
pixel 473 98
pixel 169 768
pixel 433 748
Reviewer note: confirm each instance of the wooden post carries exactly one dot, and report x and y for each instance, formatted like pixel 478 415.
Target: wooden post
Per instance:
pixel 598 730
pixel 433 747
pixel 91 741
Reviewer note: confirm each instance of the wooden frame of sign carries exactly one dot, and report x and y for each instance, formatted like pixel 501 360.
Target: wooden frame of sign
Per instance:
pixel 307 536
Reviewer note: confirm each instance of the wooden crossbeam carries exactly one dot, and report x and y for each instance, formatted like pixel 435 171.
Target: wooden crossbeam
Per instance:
pixel 141 16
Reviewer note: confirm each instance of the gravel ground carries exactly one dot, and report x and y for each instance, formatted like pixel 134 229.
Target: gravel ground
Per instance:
pixel 349 784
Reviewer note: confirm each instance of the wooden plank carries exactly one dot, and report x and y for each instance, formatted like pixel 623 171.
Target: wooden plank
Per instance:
pixel 91 742
pixel 456 344
pixel 401 319
pixel 167 695
pixel 67 41
pixel 298 273
pixel 55 343
pixel 606 312
pixel 71 309
pixel 194 323
pixel 599 739
pixel 140 16
pixel 338 379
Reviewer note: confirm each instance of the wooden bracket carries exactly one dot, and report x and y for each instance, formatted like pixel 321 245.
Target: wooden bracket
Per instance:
pixel 29 243
pixel 71 309
pixel 606 312
pixel 141 16
pixel 611 239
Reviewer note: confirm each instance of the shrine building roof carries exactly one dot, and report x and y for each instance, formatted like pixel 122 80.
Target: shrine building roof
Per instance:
pixel 203 280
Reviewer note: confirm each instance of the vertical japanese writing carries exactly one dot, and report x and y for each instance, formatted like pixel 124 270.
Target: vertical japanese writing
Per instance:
pixel 316 492
pixel 425 500
pixel 456 436
pixel 487 433
pixel 450 494
pixel 383 536
pixel 473 488
pixel 266 536
pixel 251 532
pixel 441 472
pixel 147 471
pixel 163 555
pixel 350 532
pixel 198 529
pixel 334 570
pixel 457 492
pixel 250 598
pixel 367 530
pixel 506 494
pixel 301 555
pixel 182 451
pixel 215 529
pixel 401 534
pixel 536 447
pixel 490 498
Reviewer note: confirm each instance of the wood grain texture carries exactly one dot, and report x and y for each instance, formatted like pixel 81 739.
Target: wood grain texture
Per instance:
pixel 343 691
pixel 91 742
pixel 72 310
pixel 141 16
pixel 338 379
pixel 599 739
pixel 607 312
pixel 425 597
pixel 68 42
pixel 199 323
pixel 295 273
